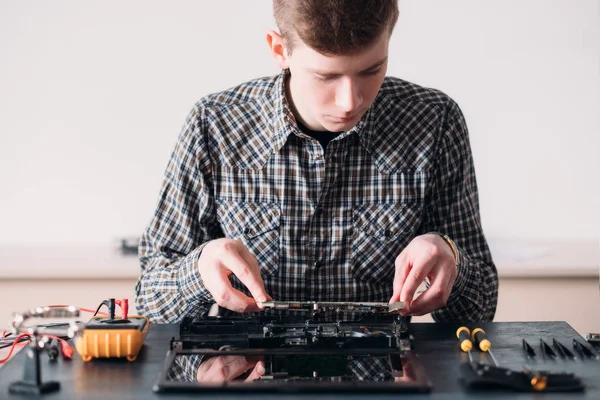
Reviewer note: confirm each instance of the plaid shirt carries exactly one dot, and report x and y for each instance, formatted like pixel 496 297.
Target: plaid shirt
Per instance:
pixel 322 226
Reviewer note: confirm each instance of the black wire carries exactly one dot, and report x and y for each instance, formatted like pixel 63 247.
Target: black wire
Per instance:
pixel 55 325
pixel 8 344
pixel 99 307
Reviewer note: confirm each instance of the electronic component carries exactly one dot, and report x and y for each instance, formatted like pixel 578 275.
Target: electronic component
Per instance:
pixel 334 306
pixel 111 336
pixel 298 353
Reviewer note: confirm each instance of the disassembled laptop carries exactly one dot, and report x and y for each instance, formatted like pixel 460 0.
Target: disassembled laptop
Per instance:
pixel 318 346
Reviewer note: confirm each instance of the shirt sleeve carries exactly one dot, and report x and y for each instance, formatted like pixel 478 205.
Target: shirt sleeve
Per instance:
pixel 170 287
pixel 185 368
pixel 453 208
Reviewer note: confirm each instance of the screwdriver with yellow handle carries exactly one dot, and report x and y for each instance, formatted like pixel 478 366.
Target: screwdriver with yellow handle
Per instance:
pixel 464 338
pixel 483 343
pixel 537 382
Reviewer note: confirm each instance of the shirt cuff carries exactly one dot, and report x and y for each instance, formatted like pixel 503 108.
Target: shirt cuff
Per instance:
pixel 191 287
pixel 462 277
pixel 462 267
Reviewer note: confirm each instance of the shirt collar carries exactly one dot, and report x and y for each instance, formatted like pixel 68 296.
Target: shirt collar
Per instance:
pixel 279 111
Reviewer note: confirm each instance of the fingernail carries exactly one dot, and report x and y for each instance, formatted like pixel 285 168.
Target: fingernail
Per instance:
pixel 262 299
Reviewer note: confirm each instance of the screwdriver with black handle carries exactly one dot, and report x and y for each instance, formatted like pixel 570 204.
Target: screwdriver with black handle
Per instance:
pixel 464 338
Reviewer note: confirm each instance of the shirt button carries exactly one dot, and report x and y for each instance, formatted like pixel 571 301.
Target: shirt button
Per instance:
pixel 318 212
pixel 318 157
pixel 388 233
pixel 333 159
pixel 317 264
pixel 247 231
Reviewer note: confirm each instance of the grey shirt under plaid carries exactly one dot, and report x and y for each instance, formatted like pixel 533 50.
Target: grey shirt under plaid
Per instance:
pixel 322 226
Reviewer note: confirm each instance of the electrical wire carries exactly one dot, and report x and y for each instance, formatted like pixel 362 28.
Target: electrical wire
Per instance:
pixel 13 346
pixel 82 309
pixel 23 338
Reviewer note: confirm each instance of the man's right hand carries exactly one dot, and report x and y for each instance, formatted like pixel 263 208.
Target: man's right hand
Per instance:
pixel 223 257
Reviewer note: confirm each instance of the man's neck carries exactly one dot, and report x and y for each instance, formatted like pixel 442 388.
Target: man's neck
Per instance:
pixel 289 95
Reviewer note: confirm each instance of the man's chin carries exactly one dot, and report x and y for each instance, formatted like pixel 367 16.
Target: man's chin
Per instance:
pixel 336 124
pixel 339 126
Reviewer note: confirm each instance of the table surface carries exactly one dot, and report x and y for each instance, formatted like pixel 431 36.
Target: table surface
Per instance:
pixel 435 345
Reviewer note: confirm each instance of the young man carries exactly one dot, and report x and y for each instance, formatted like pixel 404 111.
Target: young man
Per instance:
pixel 328 182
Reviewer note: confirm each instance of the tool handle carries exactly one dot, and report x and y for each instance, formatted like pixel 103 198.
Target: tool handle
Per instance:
pixel 481 339
pixel 464 338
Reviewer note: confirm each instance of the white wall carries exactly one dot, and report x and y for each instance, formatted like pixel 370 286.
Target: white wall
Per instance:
pixel 94 93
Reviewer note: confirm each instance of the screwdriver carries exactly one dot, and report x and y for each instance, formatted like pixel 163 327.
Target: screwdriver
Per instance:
pixel 464 337
pixel 483 343
pixel 537 381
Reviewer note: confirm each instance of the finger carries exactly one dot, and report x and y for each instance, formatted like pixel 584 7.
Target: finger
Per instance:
pixel 260 295
pixel 225 368
pixel 402 269
pixel 206 370
pixel 237 367
pixel 227 296
pixel 417 274
pixel 247 273
pixel 433 298
pixel 257 372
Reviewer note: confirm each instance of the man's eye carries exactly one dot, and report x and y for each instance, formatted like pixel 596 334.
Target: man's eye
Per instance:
pixel 372 72
pixel 324 78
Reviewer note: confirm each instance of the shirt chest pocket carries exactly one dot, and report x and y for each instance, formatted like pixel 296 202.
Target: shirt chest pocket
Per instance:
pixel 257 226
pixel 381 232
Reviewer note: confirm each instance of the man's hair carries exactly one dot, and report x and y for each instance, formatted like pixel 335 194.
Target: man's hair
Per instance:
pixel 334 27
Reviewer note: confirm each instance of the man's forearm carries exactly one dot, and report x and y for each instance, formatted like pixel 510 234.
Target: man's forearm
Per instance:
pixel 170 289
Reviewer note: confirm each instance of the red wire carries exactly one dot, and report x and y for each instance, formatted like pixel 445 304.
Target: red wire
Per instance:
pixel 82 309
pixel 62 342
pixel 12 348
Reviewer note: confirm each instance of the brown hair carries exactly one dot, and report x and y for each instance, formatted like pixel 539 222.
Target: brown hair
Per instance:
pixel 334 27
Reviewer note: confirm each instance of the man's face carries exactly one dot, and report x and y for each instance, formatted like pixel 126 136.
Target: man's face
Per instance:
pixel 332 93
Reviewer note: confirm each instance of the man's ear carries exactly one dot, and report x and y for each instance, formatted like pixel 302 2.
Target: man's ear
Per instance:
pixel 278 49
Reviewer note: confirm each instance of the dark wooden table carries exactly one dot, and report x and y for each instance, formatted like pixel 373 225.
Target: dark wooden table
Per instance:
pixel 435 344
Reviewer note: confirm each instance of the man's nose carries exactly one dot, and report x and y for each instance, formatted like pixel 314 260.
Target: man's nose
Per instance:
pixel 348 97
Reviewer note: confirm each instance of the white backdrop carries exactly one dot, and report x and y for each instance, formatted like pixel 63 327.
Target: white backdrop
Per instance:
pixel 93 95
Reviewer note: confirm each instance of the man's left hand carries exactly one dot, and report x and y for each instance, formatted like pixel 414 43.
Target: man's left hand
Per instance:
pixel 426 256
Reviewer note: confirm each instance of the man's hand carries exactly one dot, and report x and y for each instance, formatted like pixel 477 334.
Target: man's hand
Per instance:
pixel 223 257
pixel 226 368
pixel 426 256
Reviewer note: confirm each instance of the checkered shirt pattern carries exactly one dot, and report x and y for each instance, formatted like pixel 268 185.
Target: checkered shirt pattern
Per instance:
pixel 323 226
